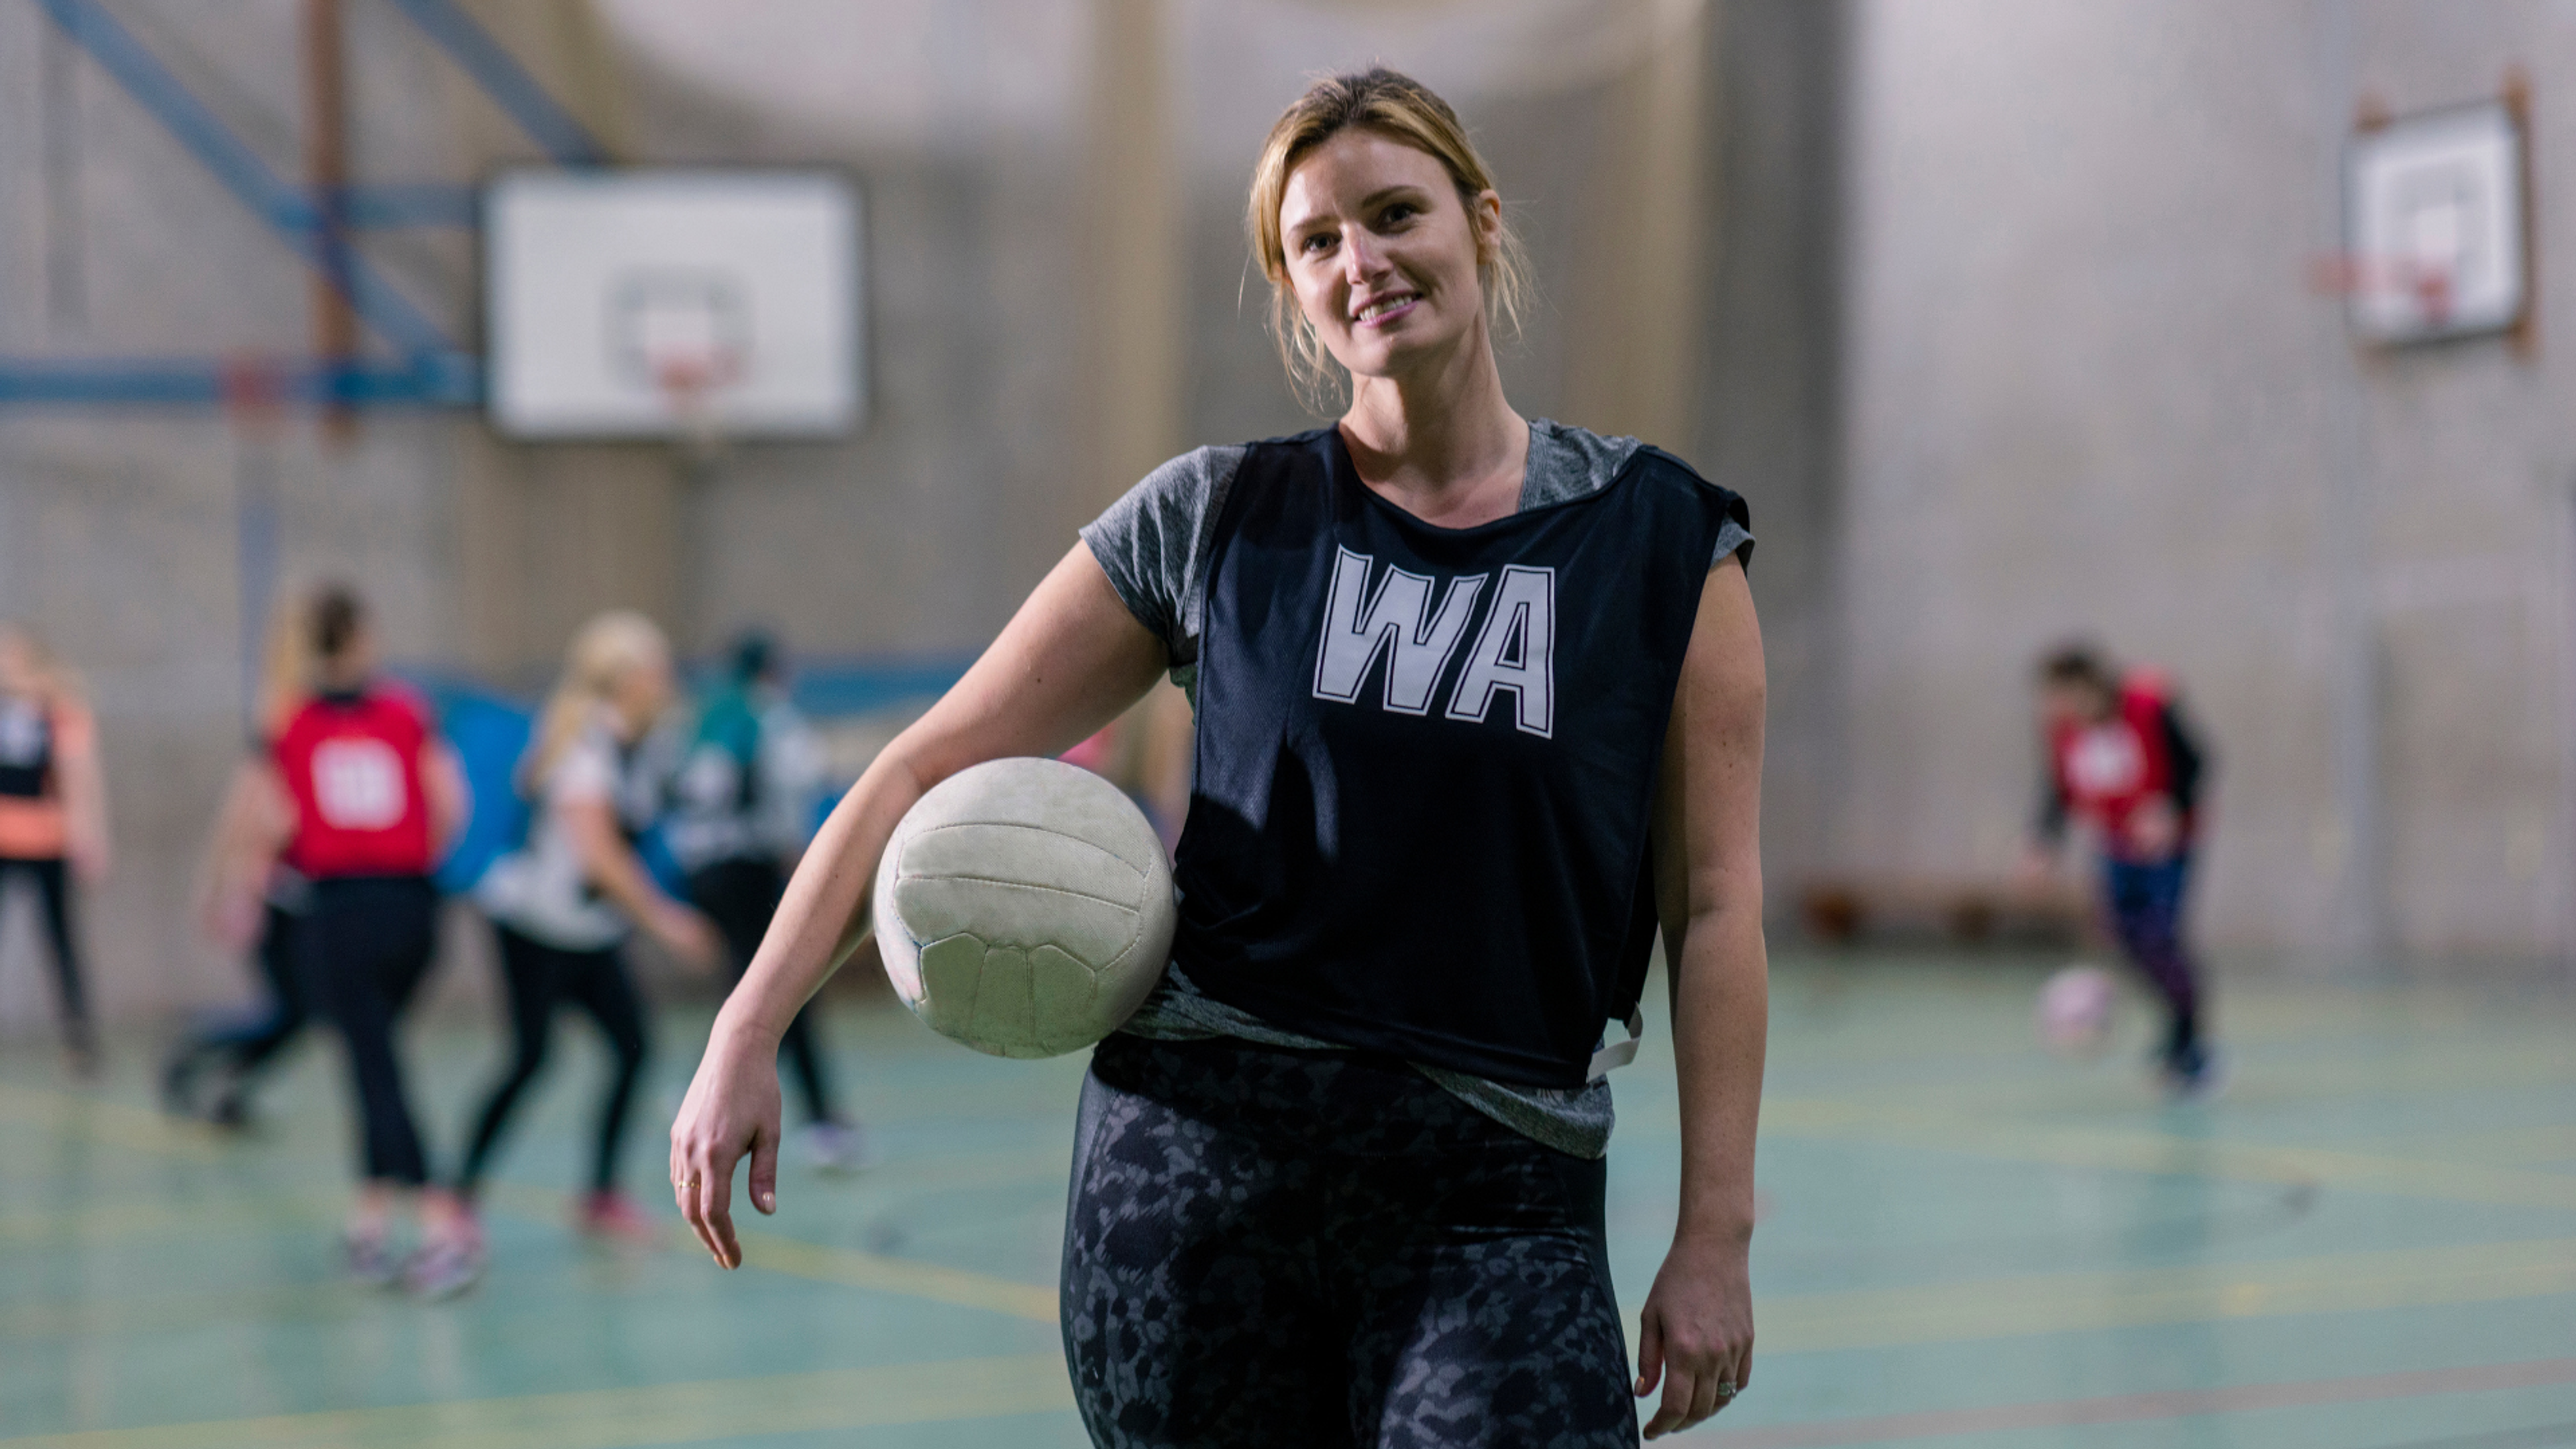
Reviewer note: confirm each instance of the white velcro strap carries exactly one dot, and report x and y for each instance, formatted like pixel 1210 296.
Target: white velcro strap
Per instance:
pixel 1617 1054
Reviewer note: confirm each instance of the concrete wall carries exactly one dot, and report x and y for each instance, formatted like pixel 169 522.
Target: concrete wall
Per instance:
pixel 2088 391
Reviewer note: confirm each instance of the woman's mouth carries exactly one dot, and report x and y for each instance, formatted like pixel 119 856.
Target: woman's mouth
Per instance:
pixel 1386 309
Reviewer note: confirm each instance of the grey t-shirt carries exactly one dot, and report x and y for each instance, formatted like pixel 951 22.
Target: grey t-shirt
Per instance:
pixel 1154 545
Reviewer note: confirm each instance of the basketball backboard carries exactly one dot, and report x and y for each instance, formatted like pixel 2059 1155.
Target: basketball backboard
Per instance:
pixel 669 303
pixel 2433 216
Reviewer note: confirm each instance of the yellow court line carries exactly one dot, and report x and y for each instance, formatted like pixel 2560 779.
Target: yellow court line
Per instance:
pixel 144 1131
pixel 823 1263
pixel 65 1227
pixel 835 1399
pixel 2176 1156
pixel 2015 1307
pixel 133 1128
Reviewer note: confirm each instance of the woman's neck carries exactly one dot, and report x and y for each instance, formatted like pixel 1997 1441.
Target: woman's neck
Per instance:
pixel 1441 441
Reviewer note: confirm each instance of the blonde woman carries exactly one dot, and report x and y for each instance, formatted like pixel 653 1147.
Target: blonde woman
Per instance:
pixel 1479 708
pixel 53 813
pixel 563 903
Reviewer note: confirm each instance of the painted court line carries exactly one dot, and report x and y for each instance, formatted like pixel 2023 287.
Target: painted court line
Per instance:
pixel 836 1399
pixel 2039 1304
pixel 2153 1152
pixel 2138 1408
pixel 140 1130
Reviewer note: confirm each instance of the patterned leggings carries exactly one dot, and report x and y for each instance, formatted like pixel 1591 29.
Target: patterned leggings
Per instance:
pixel 1312 1249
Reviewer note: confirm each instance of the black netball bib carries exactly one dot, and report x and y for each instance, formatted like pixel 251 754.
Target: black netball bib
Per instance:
pixel 26 748
pixel 1427 759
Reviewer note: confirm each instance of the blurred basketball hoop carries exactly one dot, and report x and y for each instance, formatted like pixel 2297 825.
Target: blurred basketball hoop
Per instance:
pixel 2434 226
pixel 690 305
pixel 683 333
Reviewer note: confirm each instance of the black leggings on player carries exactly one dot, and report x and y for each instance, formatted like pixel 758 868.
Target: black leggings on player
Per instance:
pixel 246 1045
pixel 54 893
pixel 538 976
pixel 741 895
pixel 364 949
pixel 1270 1247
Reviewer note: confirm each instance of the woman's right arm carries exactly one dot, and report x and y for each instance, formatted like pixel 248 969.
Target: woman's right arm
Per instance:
pixel 1070 661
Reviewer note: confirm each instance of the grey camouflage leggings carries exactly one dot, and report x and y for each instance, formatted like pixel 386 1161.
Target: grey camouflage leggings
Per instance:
pixel 1271 1247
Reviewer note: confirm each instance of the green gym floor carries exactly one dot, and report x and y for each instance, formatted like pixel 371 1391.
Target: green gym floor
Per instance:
pixel 2371 1242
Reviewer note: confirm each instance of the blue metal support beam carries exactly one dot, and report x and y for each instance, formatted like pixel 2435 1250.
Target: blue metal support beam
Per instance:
pixel 566 140
pixel 188 381
pixel 287 210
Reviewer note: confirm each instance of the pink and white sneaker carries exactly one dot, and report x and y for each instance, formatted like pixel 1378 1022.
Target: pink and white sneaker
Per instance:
pixel 614 1217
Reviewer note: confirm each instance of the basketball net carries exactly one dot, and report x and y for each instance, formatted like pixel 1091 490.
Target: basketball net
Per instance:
pixel 2426 291
pixel 692 381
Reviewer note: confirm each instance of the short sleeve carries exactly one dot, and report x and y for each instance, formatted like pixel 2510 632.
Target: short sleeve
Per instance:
pixel 584 773
pixel 1735 536
pixel 1153 544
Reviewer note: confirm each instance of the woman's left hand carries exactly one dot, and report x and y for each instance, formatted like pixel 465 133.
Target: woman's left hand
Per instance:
pixel 1696 1334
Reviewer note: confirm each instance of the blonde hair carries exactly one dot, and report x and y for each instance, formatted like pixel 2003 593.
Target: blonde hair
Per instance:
pixel 55 681
pixel 286 664
pixel 602 652
pixel 1403 110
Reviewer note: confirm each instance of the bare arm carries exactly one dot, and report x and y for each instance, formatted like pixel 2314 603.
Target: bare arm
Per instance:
pixel 1698 1321
pixel 84 787
pixel 612 865
pixel 252 826
pixel 1066 664
pixel 442 783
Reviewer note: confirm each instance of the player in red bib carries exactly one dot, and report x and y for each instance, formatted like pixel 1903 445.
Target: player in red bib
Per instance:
pixel 364 796
pixel 2122 758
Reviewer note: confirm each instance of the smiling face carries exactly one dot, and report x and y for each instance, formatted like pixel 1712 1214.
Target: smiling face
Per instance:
pixel 1383 253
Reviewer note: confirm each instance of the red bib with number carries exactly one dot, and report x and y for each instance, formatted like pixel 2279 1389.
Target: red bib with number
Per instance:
pixel 352 764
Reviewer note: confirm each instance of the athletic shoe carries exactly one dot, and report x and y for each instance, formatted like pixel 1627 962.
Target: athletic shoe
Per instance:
pixel 833 1147
pixel 231 1111
pixel 371 1257
pixel 2199 1076
pixel 447 1267
pixel 613 1215
pixel 178 1084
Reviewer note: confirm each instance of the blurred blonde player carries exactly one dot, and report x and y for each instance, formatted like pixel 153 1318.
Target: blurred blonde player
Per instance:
pixel 53 814
pixel 563 903
pixel 2122 757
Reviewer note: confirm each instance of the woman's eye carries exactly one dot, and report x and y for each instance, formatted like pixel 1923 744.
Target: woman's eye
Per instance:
pixel 1315 243
pixel 1401 211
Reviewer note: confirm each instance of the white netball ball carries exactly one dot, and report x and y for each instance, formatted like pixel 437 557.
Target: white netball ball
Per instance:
pixel 1024 907
pixel 2075 1008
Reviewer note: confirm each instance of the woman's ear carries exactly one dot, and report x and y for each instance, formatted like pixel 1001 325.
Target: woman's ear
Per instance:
pixel 1486 209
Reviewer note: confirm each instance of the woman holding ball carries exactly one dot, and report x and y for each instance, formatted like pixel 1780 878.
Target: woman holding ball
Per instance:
pixel 1479 706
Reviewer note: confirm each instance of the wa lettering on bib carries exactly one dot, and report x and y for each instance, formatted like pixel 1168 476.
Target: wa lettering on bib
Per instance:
pixel 1426 759
pixel 1515 648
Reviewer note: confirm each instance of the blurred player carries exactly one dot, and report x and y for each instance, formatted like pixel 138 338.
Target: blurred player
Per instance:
pixel 53 814
pixel 249 898
pixel 2122 757
pixel 563 903
pixel 361 799
pixel 742 801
